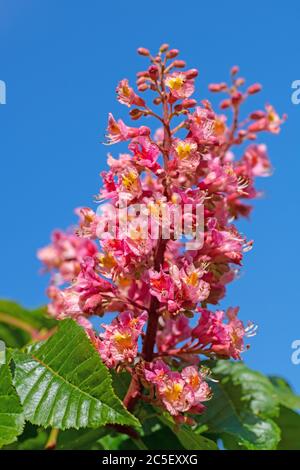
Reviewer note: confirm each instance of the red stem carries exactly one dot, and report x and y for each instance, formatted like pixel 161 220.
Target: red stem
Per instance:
pixel 134 390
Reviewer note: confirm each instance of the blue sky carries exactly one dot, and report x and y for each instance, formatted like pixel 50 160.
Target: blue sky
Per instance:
pixel 61 61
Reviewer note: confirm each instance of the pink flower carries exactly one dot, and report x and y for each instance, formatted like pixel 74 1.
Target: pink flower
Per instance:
pixel 139 264
pixel 161 286
pixel 173 331
pixel 117 131
pixel 178 392
pixel 224 339
pixel 257 160
pixel 268 121
pixel 202 125
pixel 119 342
pixel 127 96
pixel 145 152
pixel 180 86
pixel 65 254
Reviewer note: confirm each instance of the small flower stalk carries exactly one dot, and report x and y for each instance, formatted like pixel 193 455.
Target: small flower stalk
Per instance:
pixel 164 292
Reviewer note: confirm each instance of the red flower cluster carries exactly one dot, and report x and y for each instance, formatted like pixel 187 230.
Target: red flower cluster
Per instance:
pixel 128 258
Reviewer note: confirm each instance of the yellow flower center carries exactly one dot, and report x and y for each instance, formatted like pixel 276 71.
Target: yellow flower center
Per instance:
pixel 175 83
pixel 184 149
pixel 192 279
pixel 123 340
pixel 219 127
pixel 174 391
pixel 126 91
pixel 129 180
pixel 107 261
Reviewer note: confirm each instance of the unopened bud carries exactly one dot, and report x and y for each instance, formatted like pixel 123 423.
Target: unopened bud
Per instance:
pixel 216 87
pixel 143 73
pixel 180 64
pixel 225 104
pixel 255 88
pixel 193 73
pixel 157 101
pixel 135 113
pixel 235 69
pixel 164 48
pixel 240 81
pixel 143 87
pixel 257 115
pixel 236 97
pixel 188 103
pixel 153 72
pixel 141 80
pixel 143 51
pixel 157 59
pixel 172 53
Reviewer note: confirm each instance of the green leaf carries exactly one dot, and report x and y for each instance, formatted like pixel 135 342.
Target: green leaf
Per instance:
pixel 120 382
pixel 11 413
pixel 285 394
pixel 242 409
pixel 82 439
pixel 189 439
pixel 63 383
pixel 13 316
pixel 289 422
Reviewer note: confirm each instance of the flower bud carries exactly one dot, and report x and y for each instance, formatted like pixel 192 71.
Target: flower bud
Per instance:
pixel 143 73
pixel 257 115
pixel 216 87
pixel 236 98
pixel 180 64
pixel 172 53
pixel 193 73
pixel 143 87
pixel 157 100
pixel 143 51
pixel 153 72
pixel 240 81
pixel 135 114
pixel 188 103
pixel 225 104
pixel 164 48
pixel 235 69
pixel 255 88
pixel 141 80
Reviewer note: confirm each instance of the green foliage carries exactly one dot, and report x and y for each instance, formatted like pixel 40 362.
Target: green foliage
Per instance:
pixel 12 316
pixel 61 383
pixel 11 413
pixel 242 409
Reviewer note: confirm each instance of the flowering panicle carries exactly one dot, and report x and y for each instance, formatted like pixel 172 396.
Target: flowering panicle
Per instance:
pixel 128 258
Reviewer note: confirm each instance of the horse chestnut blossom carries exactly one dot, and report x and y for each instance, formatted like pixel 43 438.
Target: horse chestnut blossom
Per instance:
pixel 130 259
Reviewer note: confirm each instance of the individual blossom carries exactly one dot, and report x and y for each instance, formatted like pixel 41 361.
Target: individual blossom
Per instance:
pixel 119 342
pixel 178 392
pixel 257 161
pixel 145 153
pixel 266 121
pixel 117 131
pixel 173 331
pixel 179 85
pixel 65 254
pixel 225 339
pixel 127 96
